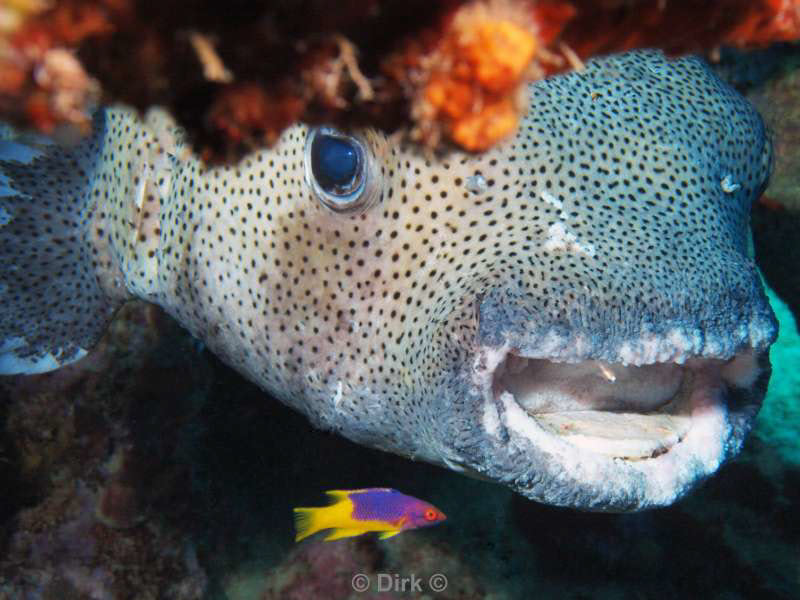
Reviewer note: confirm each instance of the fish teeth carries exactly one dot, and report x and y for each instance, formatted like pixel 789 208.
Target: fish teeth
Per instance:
pixel 624 435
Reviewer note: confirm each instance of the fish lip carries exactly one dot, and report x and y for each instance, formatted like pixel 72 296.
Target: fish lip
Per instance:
pixel 536 463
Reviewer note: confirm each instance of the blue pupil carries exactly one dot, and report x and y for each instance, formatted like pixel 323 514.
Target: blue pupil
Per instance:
pixel 334 162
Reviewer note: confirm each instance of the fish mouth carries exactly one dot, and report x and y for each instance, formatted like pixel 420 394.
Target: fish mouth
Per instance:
pixel 622 411
pixel 608 436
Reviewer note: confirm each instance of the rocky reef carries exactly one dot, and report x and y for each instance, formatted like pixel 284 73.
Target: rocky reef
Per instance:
pixel 235 74
pixel 93 502
pixel 150 470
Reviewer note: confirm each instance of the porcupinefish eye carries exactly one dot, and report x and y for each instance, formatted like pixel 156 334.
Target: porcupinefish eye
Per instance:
pixel 336 169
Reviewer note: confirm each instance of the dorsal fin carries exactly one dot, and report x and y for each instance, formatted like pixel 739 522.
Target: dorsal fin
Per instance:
pixel 341 494
pixel 337 495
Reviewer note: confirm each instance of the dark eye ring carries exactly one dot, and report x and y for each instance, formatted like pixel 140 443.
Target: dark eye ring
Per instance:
pixel 337 168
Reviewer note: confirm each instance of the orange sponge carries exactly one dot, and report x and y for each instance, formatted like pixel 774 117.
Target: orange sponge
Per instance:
pixel 482 58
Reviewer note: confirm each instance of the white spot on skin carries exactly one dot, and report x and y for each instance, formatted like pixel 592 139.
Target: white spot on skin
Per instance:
pixel 728 186
pixel 311 376
pixel 5 216
pixel 551 200
pixel 476 184
pixel 491 420
pixel 141 186
pixel 451 464
pixel 561 240
pixel 337 398
pixel 485 364
pixel 165 183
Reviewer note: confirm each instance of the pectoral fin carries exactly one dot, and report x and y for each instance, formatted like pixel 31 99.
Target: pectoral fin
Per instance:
pixel 337 534
pixel 387 534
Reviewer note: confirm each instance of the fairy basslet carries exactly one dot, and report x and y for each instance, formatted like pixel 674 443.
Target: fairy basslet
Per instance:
pixel 353 512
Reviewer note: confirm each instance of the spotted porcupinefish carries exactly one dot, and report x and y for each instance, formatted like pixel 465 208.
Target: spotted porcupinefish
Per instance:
pixel 575 313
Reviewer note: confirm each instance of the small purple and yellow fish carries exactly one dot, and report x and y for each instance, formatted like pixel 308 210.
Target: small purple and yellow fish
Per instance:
pixel 353 512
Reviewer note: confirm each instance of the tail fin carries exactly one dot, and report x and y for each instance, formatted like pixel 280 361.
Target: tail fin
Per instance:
pixel 52 306
pixel 306 522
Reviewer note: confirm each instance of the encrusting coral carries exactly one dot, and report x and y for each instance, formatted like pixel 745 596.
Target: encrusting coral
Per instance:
pixel 236 74
pixel 96 485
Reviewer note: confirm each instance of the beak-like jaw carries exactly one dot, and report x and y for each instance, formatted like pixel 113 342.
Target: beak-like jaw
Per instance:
pixel 606 436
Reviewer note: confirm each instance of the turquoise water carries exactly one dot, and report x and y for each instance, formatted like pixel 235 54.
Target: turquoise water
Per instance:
pixel 779 420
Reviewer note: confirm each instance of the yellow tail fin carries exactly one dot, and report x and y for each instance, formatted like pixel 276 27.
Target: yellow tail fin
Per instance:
pixel 310 520
pixel 305 523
